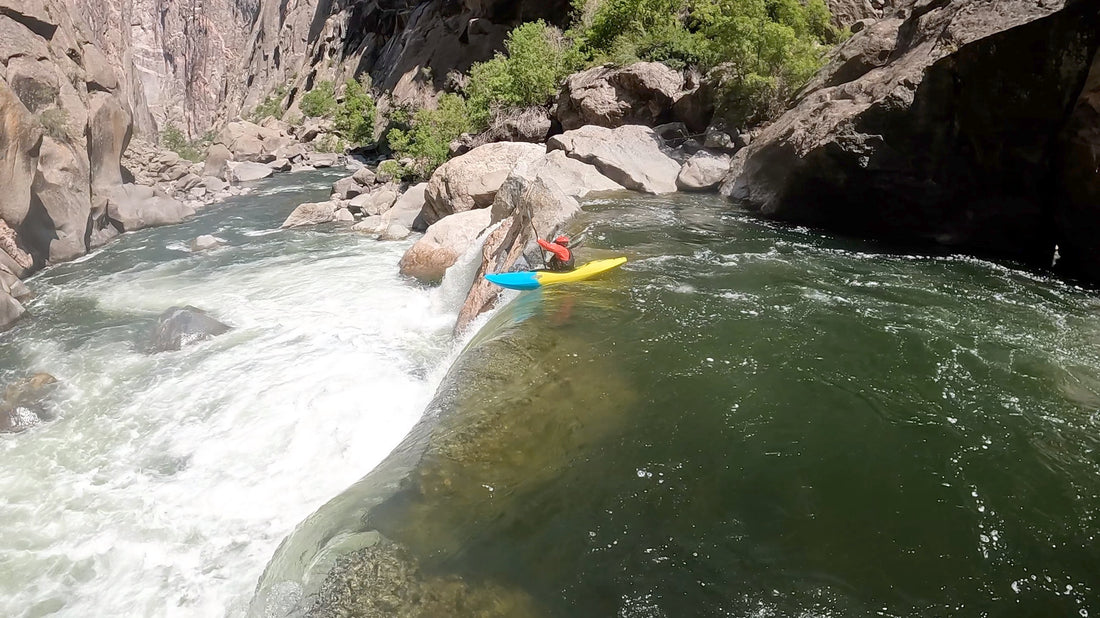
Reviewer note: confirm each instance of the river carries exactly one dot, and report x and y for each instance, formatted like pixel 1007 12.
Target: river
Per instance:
pixel 747 419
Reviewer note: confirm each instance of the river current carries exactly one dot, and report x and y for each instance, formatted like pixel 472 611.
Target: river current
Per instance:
pixel 747 419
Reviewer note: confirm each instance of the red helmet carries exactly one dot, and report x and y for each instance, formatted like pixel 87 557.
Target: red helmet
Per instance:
pixel 561 240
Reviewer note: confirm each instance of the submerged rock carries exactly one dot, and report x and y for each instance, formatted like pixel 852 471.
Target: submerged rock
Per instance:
pixel 385 580
pixel 26 403
pixel 206 242
pixel 180 326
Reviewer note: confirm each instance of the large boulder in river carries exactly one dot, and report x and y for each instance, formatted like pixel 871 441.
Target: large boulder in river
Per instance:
pixel 569 177
pixel 217 160
pixel 180 326
pixel 703 171
pixel 248 172
pixel 443 243
pixel 313 213
pixel 471 180
pixel 629 155
pixel 58 229
pixel 377 201
pixel 134 207
pixel 949 134
pixel 642 93
pixel 406 210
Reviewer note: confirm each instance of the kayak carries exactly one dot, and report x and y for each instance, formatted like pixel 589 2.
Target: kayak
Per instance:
pixel 531 280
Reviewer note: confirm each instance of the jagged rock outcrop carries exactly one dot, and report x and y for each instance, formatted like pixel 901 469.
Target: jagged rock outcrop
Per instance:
pixel 955 139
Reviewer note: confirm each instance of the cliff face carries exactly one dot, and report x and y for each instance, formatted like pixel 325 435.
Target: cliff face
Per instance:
pixel 945 123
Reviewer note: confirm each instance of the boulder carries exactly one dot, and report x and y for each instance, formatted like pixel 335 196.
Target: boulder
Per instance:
pixel 369 225
pixel 26 403
pixel 188 182
pixel 205 243
pixel 953 140
pixel 302 168
pixel 313 213
pixel 248 172
pixel 364 176
pixel 134 207
pixel 214 185
pixel 347 188
pixel 442 244
pixel 343 214
pixel 217 158
pixel 630 155
pixel 642 93
pixel 394 231
pixel 376 202
pixel 16 40
pixel 279 165
pixel 252 142
pixel 471 180
pixel 180 326
pixel 703 171
pixel 321 160
pixel 407 208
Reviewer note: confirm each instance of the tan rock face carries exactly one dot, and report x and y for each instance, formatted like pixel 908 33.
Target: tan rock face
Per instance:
pixel 472 180
pixel 630 155
pixel 442 245
pixel 18 156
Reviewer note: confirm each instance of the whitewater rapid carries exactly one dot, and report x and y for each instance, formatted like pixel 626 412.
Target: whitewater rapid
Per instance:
pixel 168 480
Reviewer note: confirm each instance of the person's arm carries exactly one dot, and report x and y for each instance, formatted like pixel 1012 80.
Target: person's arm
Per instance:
pixel 558 250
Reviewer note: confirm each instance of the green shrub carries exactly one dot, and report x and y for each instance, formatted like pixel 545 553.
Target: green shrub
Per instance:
pixel 354 116
pixel 428 139
pixel 330 143
pixel 55 120
pixel 394 169
pixel 271 106
pixel 538 58
pixel 172 138
pixel 319 102
pixel 764 50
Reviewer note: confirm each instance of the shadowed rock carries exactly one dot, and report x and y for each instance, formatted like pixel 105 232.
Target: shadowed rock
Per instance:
pixel 180 326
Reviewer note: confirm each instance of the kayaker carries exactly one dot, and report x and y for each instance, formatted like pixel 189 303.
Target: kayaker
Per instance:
pixel 561 260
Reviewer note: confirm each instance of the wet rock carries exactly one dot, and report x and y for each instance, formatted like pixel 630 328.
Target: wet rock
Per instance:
pixel 471 180
pixel 26 403
pixel 134 207
pixel 394 231
pixel 313 213
pixel 630 155
pixel 206 242
pixel 384 580
pixel 248 172
pixel 442 244
pixel 181 326
pixel 703 171
pixel 10 284
pixel 343 214
pixel 10 310
pixel 642 93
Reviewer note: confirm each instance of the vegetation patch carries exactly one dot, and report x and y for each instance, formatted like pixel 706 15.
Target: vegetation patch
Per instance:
pixel 172 138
